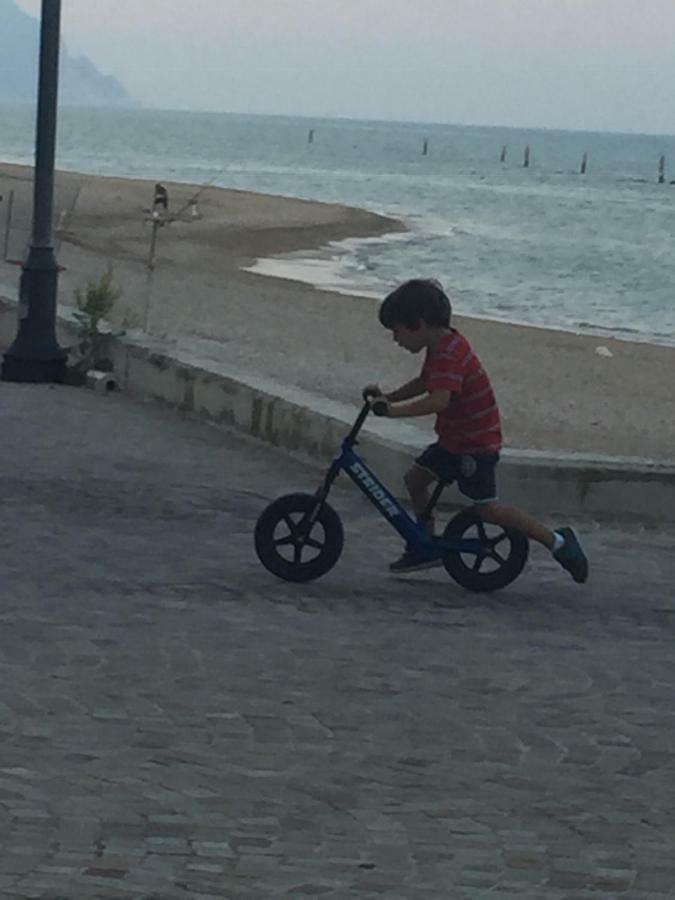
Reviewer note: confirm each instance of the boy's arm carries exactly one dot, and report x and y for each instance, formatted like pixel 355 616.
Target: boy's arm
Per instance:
pixel 407 391
pixel 434 402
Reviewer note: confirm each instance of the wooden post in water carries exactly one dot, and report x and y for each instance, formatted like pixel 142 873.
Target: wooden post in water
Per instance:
pixel 526 158
pixel 8 224
pixel 502 157
pixel 662 170
pixel 584 163
pixel 310 136
pixel 425 147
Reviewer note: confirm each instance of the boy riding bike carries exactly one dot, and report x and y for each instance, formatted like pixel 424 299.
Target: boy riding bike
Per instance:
pixel 454 386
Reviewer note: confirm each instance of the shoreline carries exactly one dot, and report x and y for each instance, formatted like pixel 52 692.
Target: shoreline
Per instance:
pixel 556 392
pixel 298 268
pixel 594 331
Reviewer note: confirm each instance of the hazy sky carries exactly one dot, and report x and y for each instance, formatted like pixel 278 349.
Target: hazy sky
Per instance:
pixel 589 64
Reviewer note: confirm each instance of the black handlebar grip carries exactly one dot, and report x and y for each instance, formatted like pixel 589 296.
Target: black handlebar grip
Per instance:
pixel 379 408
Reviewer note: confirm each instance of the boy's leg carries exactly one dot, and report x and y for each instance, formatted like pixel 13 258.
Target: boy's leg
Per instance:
pixel 563 543
pixel 417 481
pixel 481 486
pixel 512 517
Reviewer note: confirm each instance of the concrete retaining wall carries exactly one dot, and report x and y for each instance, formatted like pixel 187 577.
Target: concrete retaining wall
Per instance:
pixel 296 420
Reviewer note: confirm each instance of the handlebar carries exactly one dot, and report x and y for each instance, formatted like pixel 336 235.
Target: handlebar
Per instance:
pixel 379 406
pixel 363 415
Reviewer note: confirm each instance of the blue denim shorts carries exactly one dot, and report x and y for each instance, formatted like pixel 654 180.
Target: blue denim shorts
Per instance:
pixel 475 474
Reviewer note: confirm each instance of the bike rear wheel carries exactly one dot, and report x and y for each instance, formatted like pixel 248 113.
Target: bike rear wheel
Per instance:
pixel 291 550
pixel 501 560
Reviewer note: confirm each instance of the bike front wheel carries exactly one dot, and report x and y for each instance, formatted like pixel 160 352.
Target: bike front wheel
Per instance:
pixel 500 559
pixel 290 548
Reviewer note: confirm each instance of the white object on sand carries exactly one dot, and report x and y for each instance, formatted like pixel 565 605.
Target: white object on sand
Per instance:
pixel 603 351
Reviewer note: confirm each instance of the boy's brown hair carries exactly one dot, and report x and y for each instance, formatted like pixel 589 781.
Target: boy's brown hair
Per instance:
pixel 415 301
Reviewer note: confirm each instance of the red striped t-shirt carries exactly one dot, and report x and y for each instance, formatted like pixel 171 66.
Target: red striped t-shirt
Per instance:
pixel 470 423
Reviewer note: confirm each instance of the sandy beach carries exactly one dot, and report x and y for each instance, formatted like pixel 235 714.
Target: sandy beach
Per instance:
pixel 558 391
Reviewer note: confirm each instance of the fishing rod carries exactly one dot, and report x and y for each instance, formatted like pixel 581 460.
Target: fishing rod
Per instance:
pixel 193 200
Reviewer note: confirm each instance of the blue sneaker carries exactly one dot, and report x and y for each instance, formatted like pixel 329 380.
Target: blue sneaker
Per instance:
pixel 414 560
pixel 571 555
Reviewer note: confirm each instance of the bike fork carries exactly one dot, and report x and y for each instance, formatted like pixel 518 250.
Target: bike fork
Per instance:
pixel 321 496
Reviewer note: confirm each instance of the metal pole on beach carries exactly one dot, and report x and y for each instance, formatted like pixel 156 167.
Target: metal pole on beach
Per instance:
pixel 8 224
pixel 35 355
pixel 153 242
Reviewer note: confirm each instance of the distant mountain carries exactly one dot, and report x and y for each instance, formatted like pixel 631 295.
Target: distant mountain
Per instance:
pixel 80 82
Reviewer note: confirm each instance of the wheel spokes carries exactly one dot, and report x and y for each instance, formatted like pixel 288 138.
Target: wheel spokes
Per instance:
pixel 295 538
pixel 289 522
pixel 498 558
pixel 299 537
pixel 489 550
pixel 482 556
pixel 482 534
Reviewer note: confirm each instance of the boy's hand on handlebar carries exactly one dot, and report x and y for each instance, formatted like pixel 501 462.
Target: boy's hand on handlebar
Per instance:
pixel 379 406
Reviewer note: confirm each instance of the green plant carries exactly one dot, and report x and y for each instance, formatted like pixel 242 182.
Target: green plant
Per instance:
pixel 94 305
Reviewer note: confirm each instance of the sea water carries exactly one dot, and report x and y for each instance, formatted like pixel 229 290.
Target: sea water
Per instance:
pixel 543 245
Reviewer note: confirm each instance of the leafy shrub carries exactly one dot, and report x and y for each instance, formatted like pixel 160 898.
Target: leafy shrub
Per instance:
pixel 94 306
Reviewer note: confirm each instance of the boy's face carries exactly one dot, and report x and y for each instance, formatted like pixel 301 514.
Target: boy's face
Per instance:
pixel 412 339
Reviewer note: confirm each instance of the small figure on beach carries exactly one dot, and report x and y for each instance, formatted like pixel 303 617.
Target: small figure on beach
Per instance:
pixel 454 386
pixel 161 198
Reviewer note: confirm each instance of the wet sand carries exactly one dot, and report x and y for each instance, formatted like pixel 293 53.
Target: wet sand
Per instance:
pixel 556 391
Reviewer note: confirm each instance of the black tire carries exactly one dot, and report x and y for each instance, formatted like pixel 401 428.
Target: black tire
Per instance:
pixel 292 556
pixel 505 555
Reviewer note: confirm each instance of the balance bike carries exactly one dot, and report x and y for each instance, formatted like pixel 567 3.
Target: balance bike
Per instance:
pixel 299 537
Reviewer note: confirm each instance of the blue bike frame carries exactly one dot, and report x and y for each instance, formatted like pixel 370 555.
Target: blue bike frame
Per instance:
pixel 370 485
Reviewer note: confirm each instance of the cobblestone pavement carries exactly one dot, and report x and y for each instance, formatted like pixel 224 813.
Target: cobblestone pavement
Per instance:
pixel 175 723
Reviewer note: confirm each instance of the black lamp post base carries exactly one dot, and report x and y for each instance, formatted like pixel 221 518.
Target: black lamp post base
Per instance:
pixel 35 355
pixel 33 371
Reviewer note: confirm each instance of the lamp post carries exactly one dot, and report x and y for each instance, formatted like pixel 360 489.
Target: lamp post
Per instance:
pixel 35 355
